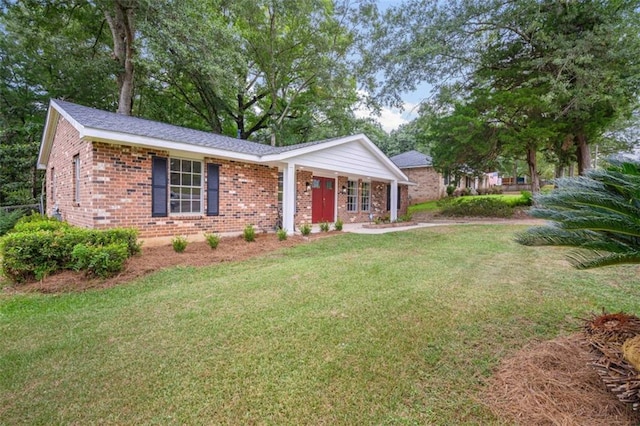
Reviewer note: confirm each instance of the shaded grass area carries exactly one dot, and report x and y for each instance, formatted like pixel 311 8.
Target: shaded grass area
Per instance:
pixel 399 328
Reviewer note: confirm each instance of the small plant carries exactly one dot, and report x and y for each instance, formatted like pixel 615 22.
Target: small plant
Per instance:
pixel 9 219
pixel 324 226
pixel 179 244
pixel 305 230
pixel 213 240
pixel 249 233
pixel 282 234
pixel 338 225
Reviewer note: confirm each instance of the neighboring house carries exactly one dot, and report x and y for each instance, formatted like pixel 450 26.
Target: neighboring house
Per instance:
pixel 109 170
pixel 429 184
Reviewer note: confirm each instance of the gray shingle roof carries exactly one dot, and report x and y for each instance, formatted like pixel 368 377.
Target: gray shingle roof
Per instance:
pixel 110 121
pixel 412 159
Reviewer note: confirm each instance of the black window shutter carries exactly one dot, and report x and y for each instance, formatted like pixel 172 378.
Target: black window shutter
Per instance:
pixel 213 184
pixel 159 187
pixel 389 197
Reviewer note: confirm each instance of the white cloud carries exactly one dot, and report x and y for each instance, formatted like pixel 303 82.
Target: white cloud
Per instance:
pixel 390 118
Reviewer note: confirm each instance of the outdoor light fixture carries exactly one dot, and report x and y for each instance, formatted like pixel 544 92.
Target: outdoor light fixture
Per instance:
pixel 308 185
pixel 344 189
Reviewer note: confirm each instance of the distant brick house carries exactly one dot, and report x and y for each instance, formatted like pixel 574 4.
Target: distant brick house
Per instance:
pixel 108 170
pixel 418 167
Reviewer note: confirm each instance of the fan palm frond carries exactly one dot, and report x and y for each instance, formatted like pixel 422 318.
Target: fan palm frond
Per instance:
pixel 598 213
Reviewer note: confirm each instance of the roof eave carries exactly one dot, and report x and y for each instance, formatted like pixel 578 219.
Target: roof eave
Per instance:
pixel 155 143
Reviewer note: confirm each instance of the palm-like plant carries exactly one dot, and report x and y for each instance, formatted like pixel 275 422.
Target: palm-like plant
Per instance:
pixel 599 214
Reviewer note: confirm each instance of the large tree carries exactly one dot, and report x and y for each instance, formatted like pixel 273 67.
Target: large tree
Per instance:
pixel 578 56
pixel 48 50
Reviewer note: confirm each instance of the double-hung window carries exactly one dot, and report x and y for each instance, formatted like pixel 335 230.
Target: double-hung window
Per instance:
pixel 365 197
pixel 352 196
pixel 185 186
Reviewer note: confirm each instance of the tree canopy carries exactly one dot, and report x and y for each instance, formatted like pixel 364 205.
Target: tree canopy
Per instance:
pixel 525 76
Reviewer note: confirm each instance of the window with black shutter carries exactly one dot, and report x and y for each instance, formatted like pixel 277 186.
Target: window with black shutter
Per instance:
pixel 159 187
pixel 213 192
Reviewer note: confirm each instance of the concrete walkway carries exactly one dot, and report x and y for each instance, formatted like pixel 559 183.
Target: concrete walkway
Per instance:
pixel 357 228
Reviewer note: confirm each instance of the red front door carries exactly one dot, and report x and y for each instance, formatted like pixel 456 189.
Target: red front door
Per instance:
pixel 322 200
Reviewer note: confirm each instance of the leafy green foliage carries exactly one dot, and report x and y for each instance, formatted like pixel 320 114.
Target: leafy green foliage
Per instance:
pixel 338 225
pixel 305 229
pixel 102 261
pixel 179 243
pixel 212 240
pixel 324 227
pixel 599 214
pixel 8 219
pixel 249 233
pixel 35 253
pixel 476 206
pixel 282 234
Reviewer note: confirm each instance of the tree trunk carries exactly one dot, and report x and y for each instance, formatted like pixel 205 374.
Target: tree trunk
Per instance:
pixel 122 28
pixel 582 153
pixel 533 170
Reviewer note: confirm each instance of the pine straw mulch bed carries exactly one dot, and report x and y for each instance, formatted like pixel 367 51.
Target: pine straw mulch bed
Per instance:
pixel 154 258
pixel 551 383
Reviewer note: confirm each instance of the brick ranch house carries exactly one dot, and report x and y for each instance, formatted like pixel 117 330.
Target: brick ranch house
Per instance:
pixel 429 184
pixel 109 170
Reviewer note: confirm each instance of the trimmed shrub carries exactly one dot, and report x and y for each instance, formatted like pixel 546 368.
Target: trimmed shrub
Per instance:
pixel 179 243
pixel 305 230
pixel 482 207
pixel 37 222
pixel 249 233
pixel 213 240
pixel 324 227
pixel 9 219
pixel 282 234
pixel 338 225
pixel 37 253
pixel 101 261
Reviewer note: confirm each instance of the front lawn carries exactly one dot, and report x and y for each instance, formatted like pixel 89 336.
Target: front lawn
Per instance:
pixel 436 205
pixel 399 328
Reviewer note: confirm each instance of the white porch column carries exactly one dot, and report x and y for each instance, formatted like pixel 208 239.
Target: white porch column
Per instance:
pixel 393 214
pixel 289 198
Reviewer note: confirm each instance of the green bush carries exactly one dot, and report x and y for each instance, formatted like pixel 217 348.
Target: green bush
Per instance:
pixel 35 254
pixel 37 222
pixel 101 261
pixel 450 190
pixel 324 227
pixel 305 230
pixel 282 234
pixel 249 233
pixel 213 240
pixel 9 219
pixel 480 206
pixel 405 217
pixel 527 198
pixel 179 243
pixel 338 225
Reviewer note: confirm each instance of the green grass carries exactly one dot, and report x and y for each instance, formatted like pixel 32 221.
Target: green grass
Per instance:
pixel 433 206
pixel 400 328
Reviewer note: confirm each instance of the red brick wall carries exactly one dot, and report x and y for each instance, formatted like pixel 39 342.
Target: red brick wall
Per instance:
pixel 67 145
pixel 115 191
pixel 248 194
pixel 430 185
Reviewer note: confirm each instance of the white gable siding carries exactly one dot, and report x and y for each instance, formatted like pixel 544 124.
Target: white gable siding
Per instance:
pixel 351 159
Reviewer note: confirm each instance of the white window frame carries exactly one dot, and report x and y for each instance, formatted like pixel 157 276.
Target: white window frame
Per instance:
pixel 365 197
pixel 352 195
pixel 176 190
